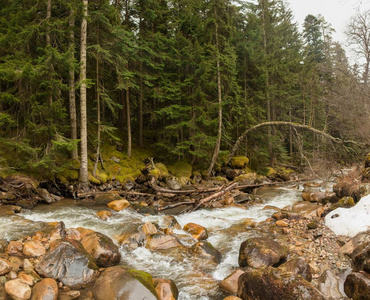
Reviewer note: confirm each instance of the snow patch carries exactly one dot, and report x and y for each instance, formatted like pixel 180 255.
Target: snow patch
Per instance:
pixel 350 221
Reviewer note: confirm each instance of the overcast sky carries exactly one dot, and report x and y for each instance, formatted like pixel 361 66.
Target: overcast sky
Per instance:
pixel 335 12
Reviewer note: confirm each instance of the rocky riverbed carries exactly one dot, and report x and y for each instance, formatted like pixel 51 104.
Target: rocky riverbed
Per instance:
pixel 285 249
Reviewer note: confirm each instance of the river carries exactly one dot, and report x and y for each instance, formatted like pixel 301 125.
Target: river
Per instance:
pixel 226 230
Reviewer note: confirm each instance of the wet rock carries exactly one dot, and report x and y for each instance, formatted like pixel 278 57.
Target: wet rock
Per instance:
pixel 149 228
pixel 73 234
pixel 162 242
pixel 231 174
pixel 15 263
pixel 58 232
pixel 173 183
pixel 45 195
pixel 170 222
pixel 102 249
pixel 46 289
pixel 124 284
pixel 33 249
pixel 196 231
pixel 306 209
pixel 230 283
pixel 312 225
pixel 205 250
pixel 232 298
pixel 119 205
pixel 17 289
pixel 311 187
pixel 14 248
pixel 104 214
pixel 328 284
pixel 361 257
pixel 5 266
pixel 357 286
pixel 267 283
pixel 261 251
pixel 166 289
pixel 69 263
pixel 297 266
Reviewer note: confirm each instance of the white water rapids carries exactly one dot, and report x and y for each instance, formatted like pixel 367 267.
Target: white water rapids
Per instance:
pixel 225 229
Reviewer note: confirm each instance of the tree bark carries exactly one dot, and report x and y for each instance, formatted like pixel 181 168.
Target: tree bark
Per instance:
pixel 84 177
pixel 219 98
pixel 129 137
pixel 72 88
pixel 294 125
pixel 97 115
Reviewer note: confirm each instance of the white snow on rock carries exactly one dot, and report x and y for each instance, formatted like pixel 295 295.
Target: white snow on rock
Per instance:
pixel 350 221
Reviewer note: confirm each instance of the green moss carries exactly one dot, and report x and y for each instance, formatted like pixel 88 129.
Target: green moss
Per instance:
pixel 68 174
pixel 145 278
pixel 93 180
pixel 159 171
pixel 239 162
pixel 181 169
pixel 220 179
pixel 246 177
pixel 344 202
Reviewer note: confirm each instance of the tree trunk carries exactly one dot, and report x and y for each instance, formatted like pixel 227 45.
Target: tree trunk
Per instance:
pixel 267 84
pixel 72 91
pixel 84 177
pixel 48 44
pixel 129 138
pixel 141 96
pixel 97 115
pixel 219 98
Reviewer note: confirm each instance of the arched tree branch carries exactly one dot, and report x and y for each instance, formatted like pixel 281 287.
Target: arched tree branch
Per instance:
pixel 291 124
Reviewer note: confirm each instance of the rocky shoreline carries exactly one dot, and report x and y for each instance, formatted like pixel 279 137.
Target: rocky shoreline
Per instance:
pixel 294 256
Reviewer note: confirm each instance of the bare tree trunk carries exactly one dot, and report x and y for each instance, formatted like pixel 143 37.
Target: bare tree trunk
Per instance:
pixel 141 96
pixel 84 176
pixel 97 115
pixel 48 44
pixel 219 97
pixel 267 86
pixel 129 138
pixel 72 88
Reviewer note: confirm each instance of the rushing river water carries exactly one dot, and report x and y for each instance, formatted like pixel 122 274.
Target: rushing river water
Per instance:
pixel 225 229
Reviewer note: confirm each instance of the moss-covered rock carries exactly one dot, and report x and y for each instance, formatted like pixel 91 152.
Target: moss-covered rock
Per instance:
pixel 159 171
pixel 238 162
pixel 249 178
pixel 345 202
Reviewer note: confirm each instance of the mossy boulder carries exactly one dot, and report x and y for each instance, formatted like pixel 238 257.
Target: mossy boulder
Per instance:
pixel 239 162
pixel 271 173
pixel 367 160
pixel 159 171
pixel 345 202
pixel 249 178
pixel 182 170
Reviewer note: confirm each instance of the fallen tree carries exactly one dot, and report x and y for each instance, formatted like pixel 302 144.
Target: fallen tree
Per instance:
pixel 293 125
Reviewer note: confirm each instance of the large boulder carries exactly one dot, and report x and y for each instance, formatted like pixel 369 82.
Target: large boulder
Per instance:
pixel 238 162
pixel 33 249
pixel 297 266
pixel 361 257
pixel 261 252
pixel 124 284
pixel 69 263
pixel 102 249
pixel 356 241
pixel 357 286
pixel 270 283
pixel 46 289
pixel 119 205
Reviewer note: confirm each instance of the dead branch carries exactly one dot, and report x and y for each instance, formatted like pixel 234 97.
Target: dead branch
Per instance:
pixel 176 205
pixel 291 124
pixel 93 194
pixel 216 195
